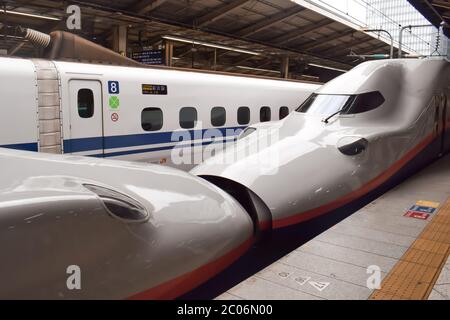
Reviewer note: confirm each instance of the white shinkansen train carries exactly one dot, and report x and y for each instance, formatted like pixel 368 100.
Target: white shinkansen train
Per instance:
pixel 130 112
pixel 148 232
pixel 359 133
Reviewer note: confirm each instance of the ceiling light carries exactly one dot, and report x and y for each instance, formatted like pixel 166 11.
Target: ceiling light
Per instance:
pixel 326 67
pixel 211 45
pixel 257 69
pixel 29 15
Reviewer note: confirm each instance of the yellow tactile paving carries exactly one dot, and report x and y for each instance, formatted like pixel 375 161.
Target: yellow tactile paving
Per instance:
pixel 423 257
pixel 430 246
pixel 437 236
pixel 413 277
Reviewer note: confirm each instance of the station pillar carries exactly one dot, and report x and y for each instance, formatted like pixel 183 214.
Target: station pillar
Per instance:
pixel 120 36
pixel 168 50
pixel 285 67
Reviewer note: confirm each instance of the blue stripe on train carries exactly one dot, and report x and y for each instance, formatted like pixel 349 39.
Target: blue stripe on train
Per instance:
pixel 33 146
pixel 83 144
pixel 136 151
pixel 132 140
pixel 96 143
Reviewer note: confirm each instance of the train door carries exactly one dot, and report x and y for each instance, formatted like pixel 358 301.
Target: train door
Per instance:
pixel 86 117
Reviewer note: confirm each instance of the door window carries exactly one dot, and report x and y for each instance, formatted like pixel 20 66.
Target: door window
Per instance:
pixel 85 103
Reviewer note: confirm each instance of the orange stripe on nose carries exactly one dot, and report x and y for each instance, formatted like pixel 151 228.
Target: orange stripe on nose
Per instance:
pixel 264 225
pixel 371 185
pixel 188 281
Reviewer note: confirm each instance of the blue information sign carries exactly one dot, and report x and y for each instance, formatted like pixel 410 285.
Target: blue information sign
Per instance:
pixel 149 56
pixel 424 209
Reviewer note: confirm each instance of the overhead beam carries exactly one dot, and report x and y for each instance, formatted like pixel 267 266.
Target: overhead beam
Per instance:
pixel 295 34
pixel 241 59
pixel 441 4
pixel 145 6
pixel 269 21
pixel 373 48
pixel 320 42
pixel 109 13
pixel 262 64
pixel 345 45
pixel 16 48
pixel 218 13
pixel 184 51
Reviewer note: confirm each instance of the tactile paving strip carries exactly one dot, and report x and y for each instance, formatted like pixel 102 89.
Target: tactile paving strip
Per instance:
pixel 413 277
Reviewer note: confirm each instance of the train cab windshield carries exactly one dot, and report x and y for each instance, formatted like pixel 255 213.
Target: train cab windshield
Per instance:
pixel 329 104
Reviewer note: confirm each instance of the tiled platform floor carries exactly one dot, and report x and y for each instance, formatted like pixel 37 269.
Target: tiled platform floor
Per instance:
pixel 337 264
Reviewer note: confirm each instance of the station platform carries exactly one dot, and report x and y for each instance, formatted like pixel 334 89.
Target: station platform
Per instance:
pixel 403 237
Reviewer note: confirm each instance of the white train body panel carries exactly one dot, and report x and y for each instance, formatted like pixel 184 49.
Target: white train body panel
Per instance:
pixel 18 124
pixel 300 172
pixel 117 132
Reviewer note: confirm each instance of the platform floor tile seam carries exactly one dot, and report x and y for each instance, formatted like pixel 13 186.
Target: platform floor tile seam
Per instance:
pixel 361 225
pixel 337 260
pixel 296 289
pixel 378 254
pixel 368 239
pixel 400 240
pixel 327 275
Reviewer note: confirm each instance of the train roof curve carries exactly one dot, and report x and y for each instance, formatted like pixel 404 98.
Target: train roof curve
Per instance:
pixel 384 75
pixel 179 74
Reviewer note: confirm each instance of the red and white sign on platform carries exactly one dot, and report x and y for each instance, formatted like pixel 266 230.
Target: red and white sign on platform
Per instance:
pixel 417 215
pixel 422 209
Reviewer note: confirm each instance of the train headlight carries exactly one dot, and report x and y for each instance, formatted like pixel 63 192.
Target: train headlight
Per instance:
pixel 352 146
pixel 119 205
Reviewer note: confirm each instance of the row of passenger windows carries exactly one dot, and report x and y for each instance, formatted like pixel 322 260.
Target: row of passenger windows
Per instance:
pixel 152 118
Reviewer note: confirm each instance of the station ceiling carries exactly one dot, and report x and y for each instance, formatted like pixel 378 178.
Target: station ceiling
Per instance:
pixel 436 11
pixel 271 28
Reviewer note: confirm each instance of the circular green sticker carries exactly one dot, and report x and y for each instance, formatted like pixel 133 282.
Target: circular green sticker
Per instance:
pixel 114 102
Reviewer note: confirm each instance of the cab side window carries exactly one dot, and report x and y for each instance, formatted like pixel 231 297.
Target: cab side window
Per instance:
pixel 365 102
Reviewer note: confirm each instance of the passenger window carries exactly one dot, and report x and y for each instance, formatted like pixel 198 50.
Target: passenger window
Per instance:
pixel 188 117
pixel 85 103
pixel 265 114
pixel 284 111
pixel 243 115
pixel 152 119
pixel 365 102
pixel 218 116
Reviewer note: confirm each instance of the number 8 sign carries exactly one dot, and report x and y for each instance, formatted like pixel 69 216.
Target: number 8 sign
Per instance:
pixel 113 87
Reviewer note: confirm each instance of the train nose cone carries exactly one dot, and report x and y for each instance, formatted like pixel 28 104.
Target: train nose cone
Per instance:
pixel 133 230
pixel 288 167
